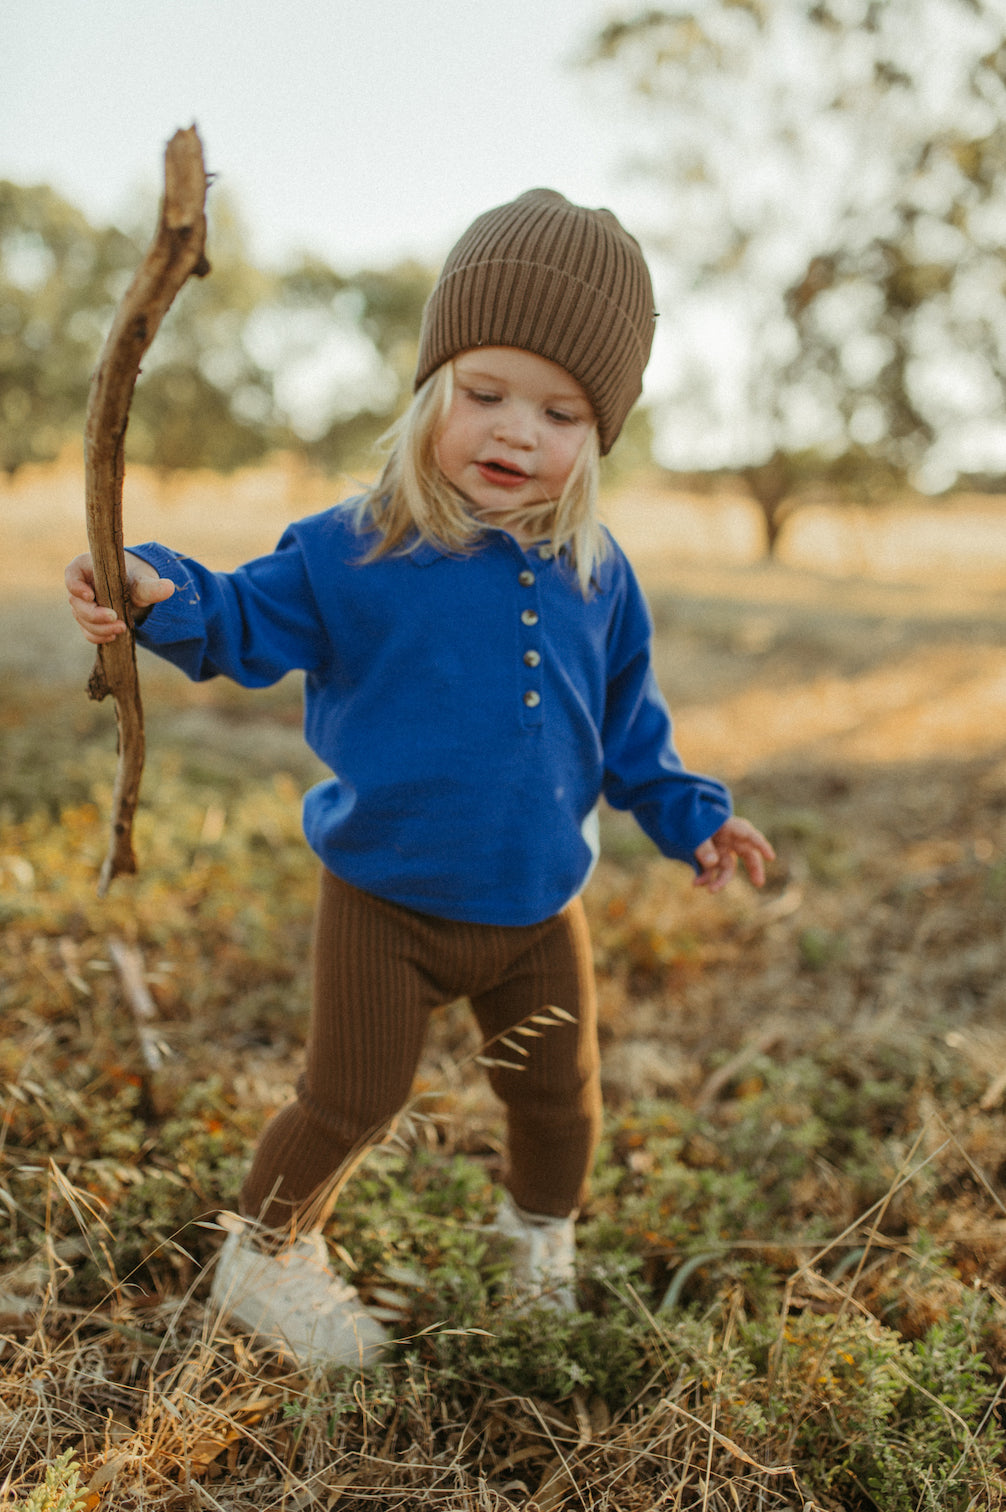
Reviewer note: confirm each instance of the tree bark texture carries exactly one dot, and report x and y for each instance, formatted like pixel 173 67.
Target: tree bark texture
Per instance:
pixel 177 250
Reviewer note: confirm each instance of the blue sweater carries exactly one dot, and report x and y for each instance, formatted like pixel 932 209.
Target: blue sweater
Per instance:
pixel 472 709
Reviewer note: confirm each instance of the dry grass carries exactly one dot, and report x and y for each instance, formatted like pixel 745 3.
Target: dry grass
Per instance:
pixel 209 1418
pixel 803 1174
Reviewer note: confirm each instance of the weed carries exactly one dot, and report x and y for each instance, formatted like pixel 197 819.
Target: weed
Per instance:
pixel 821 948
pixel 60 1490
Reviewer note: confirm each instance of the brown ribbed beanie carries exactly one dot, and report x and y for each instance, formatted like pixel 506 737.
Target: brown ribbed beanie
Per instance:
pixel 553 278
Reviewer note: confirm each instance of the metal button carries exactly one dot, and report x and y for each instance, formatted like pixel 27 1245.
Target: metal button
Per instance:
pixel 526 578
pixel 529 617
pixel 532 699
pixel 546 553
pixel 531 658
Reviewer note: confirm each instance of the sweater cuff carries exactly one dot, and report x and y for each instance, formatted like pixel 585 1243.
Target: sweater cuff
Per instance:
pixel 177 618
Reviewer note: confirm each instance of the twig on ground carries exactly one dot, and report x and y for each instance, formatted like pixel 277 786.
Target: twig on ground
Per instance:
pixel 128 962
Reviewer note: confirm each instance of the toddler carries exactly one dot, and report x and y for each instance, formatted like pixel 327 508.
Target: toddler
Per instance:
pixel 477 661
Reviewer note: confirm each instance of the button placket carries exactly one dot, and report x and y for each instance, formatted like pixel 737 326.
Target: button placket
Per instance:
pixel 530 642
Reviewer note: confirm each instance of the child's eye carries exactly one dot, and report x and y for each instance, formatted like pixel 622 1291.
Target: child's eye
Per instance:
pixel 481 397
pixel 562 417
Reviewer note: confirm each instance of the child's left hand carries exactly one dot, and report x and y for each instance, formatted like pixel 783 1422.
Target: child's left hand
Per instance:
pixel 718 855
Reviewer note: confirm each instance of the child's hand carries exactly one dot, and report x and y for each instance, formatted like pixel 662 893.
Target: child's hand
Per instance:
pixel 102 625
pixel 718 855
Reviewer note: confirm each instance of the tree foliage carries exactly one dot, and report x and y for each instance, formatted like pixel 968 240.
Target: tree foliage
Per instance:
pixel 60 280
pixel 344 349
pixel 833 202
pixel 248 360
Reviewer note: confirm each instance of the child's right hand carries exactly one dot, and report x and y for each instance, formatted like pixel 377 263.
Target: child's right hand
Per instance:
pixel 102 625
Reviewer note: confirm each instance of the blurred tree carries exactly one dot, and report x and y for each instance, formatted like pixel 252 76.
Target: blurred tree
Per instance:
pixel 634 452
pixel 203 400
pixel 60 280
pixel 200 400
pixel 246 361
pixel 833 176
pixel 344 349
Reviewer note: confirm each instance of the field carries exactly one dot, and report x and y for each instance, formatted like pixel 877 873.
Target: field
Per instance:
pixel 793 1265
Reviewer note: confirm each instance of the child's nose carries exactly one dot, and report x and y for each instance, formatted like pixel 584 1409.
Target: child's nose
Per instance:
pixel 514 425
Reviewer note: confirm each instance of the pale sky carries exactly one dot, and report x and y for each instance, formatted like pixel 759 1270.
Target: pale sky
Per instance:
pixel 362 130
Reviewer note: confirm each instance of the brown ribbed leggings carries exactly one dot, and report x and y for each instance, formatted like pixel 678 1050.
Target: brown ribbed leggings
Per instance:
pixel 379 970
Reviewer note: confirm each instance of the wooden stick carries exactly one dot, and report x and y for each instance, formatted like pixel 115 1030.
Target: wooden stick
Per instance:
pixel 177 250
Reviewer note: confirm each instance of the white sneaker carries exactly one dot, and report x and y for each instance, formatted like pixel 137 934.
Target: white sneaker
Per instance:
pixel 294 1299
pixel 543 1254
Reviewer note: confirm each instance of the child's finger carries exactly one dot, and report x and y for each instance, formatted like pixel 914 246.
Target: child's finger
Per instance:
pixel 716 878
pixel 763 846
pixel 752 848
pixel 86 611
pixel 707 855
pixel 754 854
pixel 98 623
pixel 100 631
pixel 79 578
pixel 754 864
pixel 145 590
pixel 752 857
pixel 717 867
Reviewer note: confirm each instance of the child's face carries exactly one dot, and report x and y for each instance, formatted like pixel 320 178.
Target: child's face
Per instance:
pixel 514 429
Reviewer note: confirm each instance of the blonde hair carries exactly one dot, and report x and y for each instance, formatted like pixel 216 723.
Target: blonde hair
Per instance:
pixel 412 501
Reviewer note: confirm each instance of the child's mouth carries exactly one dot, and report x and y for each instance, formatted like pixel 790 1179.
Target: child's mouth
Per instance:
pixel 500 472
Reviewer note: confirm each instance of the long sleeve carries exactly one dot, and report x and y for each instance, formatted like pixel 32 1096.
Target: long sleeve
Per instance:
pixel 253 625
pixel 643 772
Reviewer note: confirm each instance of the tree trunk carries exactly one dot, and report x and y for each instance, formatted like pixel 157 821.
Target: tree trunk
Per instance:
pixel 769 484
